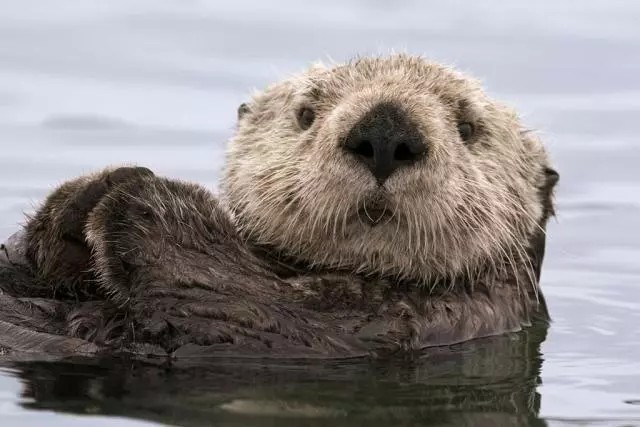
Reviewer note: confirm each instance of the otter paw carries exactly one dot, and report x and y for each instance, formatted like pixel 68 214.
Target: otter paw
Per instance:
pixel 172 332
pixel 153 234
pixel 55 237
pixel 395 327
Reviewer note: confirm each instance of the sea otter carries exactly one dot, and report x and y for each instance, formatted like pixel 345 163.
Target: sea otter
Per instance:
pixel 386 204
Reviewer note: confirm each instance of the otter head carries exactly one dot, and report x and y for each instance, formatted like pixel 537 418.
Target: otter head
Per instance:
pixel 392 166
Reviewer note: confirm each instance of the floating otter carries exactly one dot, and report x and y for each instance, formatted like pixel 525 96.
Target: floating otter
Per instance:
pixel 385 204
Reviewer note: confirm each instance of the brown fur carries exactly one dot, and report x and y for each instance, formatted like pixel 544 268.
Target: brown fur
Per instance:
pixel 55 239
pixel 283 263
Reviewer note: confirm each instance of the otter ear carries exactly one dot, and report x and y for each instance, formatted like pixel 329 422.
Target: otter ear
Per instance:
pixel 538 239
pixel 552 177
pixel 243 109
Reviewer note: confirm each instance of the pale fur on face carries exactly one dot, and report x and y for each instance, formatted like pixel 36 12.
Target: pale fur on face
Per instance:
pixel 462 210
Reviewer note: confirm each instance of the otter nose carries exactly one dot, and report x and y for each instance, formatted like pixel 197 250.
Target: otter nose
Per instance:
pixel 384 139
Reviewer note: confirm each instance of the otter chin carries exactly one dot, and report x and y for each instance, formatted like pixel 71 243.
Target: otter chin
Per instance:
pixel 385 203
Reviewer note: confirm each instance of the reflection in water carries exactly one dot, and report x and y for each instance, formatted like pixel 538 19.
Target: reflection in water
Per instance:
pixel 487 382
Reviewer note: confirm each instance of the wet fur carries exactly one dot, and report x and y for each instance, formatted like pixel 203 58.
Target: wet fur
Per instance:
pixel 281 265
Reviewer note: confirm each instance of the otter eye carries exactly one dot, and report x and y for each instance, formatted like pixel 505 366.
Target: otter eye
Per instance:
pixel 306 116
pixel 466 131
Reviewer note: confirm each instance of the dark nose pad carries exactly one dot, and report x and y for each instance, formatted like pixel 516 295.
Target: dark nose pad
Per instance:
pixel 385 140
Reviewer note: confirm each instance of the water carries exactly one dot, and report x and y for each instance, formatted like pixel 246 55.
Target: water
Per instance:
pixel 84 84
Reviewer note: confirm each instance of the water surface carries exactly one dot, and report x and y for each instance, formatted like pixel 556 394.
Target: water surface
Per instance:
pixel 85 83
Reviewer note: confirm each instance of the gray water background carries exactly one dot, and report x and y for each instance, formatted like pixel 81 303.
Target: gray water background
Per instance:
pixel 87 83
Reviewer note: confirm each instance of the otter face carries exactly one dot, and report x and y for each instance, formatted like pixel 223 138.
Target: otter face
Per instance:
pixel 394 166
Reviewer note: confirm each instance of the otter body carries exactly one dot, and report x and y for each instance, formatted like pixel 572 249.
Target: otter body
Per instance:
pixel 378 206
